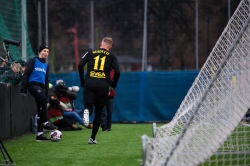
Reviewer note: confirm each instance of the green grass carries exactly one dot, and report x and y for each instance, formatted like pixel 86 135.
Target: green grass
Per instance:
pixel 120 147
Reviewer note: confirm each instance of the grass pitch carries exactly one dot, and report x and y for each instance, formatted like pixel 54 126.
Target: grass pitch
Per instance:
pixel 120 147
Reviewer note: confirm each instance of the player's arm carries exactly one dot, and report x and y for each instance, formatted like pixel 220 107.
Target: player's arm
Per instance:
pixel 81 64
pixel 26 75
pixel 47 81
pixel 115 67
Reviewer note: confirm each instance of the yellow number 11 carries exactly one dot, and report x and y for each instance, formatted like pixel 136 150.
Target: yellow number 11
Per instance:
pixel 102 62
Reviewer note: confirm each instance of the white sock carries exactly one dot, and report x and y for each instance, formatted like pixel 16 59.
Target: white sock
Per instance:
pixel 39 133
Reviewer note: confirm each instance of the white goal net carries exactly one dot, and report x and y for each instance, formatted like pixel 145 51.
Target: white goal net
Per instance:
pixel 206 129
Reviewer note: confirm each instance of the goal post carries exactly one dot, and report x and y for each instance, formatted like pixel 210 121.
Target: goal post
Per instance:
pixel 207 122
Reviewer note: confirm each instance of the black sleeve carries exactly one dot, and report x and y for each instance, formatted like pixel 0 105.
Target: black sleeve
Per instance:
pixel 81 64
pixel 26 75
pixel 115 67
pixel 47 81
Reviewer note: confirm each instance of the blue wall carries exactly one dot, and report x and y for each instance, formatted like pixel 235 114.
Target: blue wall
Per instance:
pixel 142 96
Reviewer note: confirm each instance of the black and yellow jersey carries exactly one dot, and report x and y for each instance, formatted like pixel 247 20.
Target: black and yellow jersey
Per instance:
pixel 99 63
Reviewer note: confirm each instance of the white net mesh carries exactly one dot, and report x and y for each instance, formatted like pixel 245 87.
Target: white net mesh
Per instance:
pixel 207 122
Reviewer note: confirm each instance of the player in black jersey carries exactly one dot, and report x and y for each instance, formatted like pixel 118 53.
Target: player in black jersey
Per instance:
pixel 97 81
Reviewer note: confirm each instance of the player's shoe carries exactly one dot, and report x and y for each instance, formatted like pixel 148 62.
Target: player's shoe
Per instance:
pixel 108 129
pixel 91 141
pixel 49 127
pixel 42 138
pixel 86 117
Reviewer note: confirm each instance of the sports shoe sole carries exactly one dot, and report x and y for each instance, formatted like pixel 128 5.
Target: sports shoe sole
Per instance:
pixel 92 142
pixel 42 140
pixel 86 117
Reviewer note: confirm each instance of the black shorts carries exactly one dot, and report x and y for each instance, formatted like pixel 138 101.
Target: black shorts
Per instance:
pixel 95 96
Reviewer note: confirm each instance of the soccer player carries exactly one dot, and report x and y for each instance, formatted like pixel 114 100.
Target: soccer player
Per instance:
pixel 36 80
pixel 97 81
pixel 108 108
